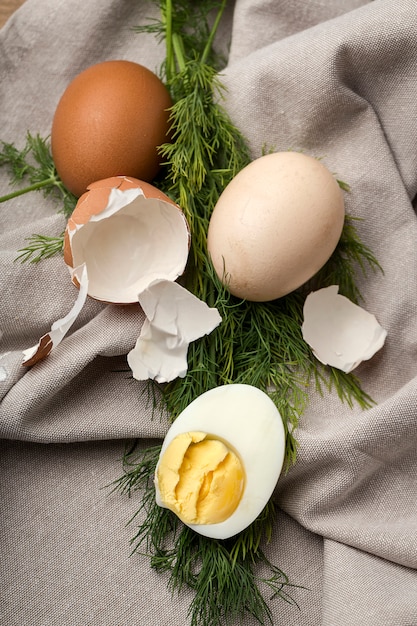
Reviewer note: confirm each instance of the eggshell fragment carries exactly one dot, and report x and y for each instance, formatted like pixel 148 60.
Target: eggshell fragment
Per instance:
pixel 340 333
pixel 110 120
pixel 128 234
pixel 59 328
pixel 174 318
pixel 275 225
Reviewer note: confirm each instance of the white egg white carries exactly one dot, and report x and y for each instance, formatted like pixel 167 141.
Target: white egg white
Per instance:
pixel 246 418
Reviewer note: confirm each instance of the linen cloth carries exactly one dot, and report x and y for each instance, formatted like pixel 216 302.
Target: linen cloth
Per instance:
pixel 337 80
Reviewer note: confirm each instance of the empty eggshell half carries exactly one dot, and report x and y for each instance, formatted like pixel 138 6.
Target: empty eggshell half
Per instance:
pixel 128 234
pixel 275 225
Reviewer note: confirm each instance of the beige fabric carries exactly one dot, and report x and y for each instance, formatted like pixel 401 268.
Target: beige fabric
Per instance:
pixel 337 80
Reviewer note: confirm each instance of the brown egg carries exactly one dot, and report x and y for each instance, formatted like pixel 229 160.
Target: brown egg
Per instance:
pixel 109 122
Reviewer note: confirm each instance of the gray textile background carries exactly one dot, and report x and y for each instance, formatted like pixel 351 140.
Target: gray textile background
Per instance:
pixel 337 79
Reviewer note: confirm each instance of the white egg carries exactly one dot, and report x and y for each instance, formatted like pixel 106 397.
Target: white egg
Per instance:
pixel 246 420
pixel 275 225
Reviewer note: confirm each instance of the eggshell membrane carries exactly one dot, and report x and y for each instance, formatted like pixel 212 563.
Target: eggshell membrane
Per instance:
pixel 275 225
pixel 246 419
pixel 94 202
pixel 109 121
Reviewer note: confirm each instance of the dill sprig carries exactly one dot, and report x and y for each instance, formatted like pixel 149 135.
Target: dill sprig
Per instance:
pixel 259 344
pixel 40 247
pixel 34 164
pixel 33 167
pixel 222 573
pixel 206 152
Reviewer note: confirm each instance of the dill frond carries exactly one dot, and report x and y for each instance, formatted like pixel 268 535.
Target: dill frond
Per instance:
pixel 222 573
pixel 347 386
pixel 40 247
pixel 34 165
pixel 185 26
pixel 257 343
pixel 351 255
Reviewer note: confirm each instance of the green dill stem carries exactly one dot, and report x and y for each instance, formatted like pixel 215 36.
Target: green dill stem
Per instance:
pixel 211 295
pixel 175 48
pixel 170 67
pixel 173 43
pixel 212 366
pixel 179 53
pixel 213 31
pixel 34 187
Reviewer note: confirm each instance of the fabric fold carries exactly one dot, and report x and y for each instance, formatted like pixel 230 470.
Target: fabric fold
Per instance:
pixel 335 80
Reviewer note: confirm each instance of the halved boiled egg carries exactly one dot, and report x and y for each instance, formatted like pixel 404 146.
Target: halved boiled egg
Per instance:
pixel 221 459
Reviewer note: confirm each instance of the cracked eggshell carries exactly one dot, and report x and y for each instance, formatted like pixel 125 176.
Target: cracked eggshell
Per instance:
pixel 128 234
pixel 110 120
pixel 59 328
pixel 275 225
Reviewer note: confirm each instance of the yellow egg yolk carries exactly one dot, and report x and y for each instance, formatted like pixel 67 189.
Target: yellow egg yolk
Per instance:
pixel 200 478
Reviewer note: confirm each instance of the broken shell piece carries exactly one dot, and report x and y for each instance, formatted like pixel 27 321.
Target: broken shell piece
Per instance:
pixel 174 318
pixel 128 234
pixel 340 333
pixel 59 328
